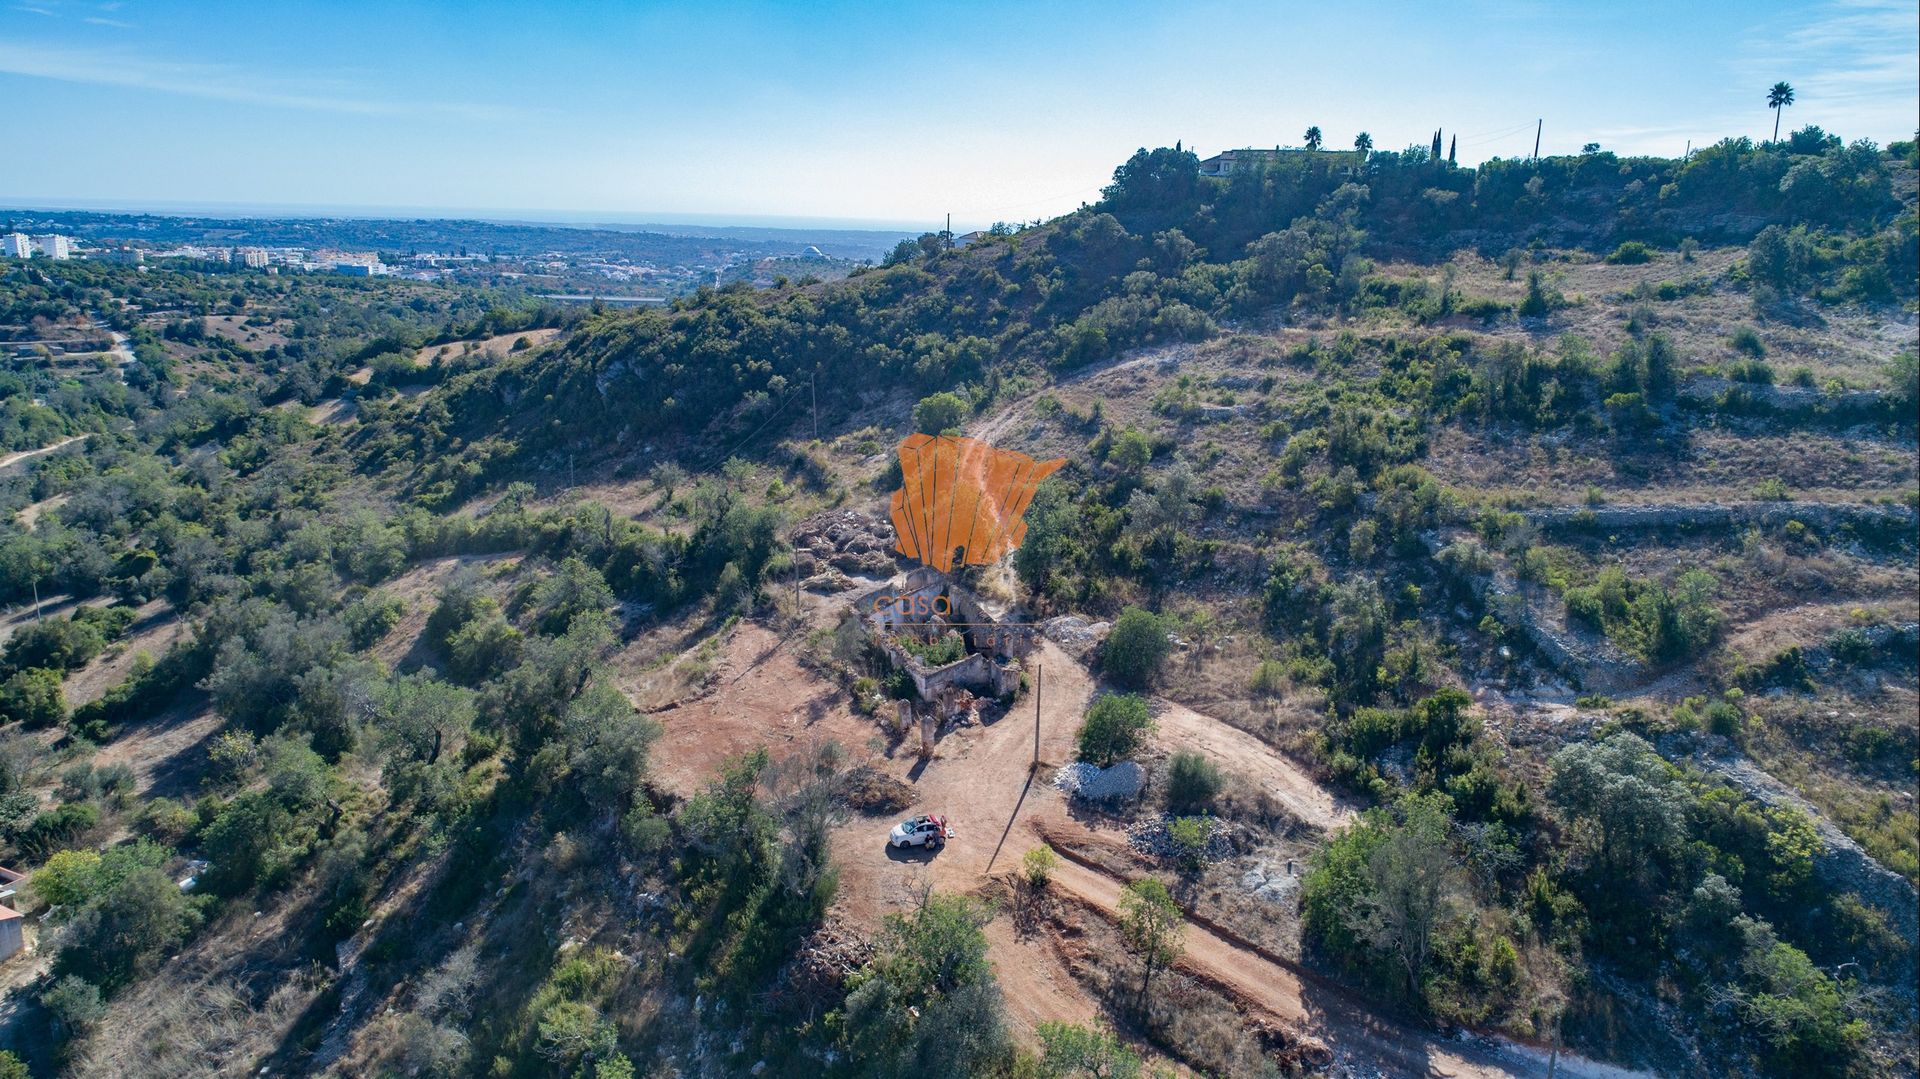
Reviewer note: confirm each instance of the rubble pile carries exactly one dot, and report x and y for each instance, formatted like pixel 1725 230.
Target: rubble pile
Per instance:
pixel 1121 782
pixel 848 541
pixel 1075 634
pixel 1149 836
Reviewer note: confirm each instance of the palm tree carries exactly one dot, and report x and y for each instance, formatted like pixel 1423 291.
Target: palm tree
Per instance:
pixel 1313 137
pixel 1778 98
pixel 1363 142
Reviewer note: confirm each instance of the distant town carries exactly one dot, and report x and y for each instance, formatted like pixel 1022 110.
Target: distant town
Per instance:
pixel 578 264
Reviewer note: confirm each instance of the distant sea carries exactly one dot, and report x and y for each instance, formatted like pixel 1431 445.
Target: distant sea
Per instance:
pixel 685 224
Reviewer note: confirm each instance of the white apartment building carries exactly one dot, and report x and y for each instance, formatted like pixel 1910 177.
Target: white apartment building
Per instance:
pixel 16 245
pixel 255 258
pixel 55 246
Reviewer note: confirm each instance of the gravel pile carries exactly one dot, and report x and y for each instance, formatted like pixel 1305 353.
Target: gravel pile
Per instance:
pixel 1122 782
pixel 1074 633
pixel 1149 837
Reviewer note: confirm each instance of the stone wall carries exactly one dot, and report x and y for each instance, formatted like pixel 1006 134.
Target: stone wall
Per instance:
pixel 1891 522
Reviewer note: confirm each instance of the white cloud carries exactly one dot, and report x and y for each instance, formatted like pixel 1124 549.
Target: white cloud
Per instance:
pixel 128 70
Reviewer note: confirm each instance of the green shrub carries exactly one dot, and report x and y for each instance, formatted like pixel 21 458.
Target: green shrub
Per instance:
pixel 939 413
pixel 74 1003
pixel 1631 253
pixel 949 648
pixel 1037 866
pixel 1136 649
pixel 1190 836
pixel 482 646
pixel 1270 678
pixel 370 617
pixel 1193 782
pixel 58 827
pixel 1725 719
pixel 33 698
pixel 1746 340
pixel 1070 1050
pixel 1115 727
pixel 59 643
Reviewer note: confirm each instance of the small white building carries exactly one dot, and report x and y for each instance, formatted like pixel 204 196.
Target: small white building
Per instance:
pixel 55 246
pixel 12 934
pixel 16 245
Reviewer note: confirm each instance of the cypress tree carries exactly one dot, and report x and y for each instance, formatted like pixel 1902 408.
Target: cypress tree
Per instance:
pixel 1452 145
pixel 1436 144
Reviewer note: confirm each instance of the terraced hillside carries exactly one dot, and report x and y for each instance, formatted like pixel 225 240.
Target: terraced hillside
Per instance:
pixel 1491 593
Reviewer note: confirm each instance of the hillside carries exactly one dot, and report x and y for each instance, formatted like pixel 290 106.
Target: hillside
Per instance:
pixel 1503 580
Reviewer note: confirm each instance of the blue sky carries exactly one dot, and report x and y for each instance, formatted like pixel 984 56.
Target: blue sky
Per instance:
pixel 889 112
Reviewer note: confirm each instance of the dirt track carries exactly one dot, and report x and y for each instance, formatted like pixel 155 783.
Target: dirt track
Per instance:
pixel 15 458
pixel 1234 750
pixel 1000 807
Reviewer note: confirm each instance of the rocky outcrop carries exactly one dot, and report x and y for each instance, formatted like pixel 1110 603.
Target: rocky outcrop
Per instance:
pixel 1790 400
pixel 1842 864
pixel 1582 658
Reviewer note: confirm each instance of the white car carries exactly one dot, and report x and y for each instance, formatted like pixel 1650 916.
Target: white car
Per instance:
pixel 923 831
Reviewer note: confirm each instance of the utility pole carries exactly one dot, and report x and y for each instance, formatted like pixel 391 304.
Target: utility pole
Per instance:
pixel 1538 126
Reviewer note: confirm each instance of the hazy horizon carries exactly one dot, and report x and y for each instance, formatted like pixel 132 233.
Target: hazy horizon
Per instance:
pixel 588 218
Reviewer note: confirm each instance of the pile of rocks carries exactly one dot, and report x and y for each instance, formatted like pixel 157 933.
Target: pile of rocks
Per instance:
pixel 1265 880
pixel 845 540
pixel 1075 634
pixel 1150 837
pixel 1120 783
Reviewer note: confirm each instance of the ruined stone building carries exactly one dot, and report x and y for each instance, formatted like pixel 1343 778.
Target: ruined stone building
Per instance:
pixel 927 606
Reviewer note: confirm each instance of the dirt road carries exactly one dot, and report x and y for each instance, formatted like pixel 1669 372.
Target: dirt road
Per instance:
pixel 15 458
pixel 1000 807
pixel 1236 751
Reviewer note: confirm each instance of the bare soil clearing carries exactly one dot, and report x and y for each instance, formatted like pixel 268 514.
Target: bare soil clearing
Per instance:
pixel 155 628
pixel 30 514
pixel 494 347
pixel 762 696
pixel 166 751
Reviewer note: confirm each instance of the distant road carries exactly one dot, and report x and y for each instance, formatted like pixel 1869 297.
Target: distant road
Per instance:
pixel 620 301
pixel 12 459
